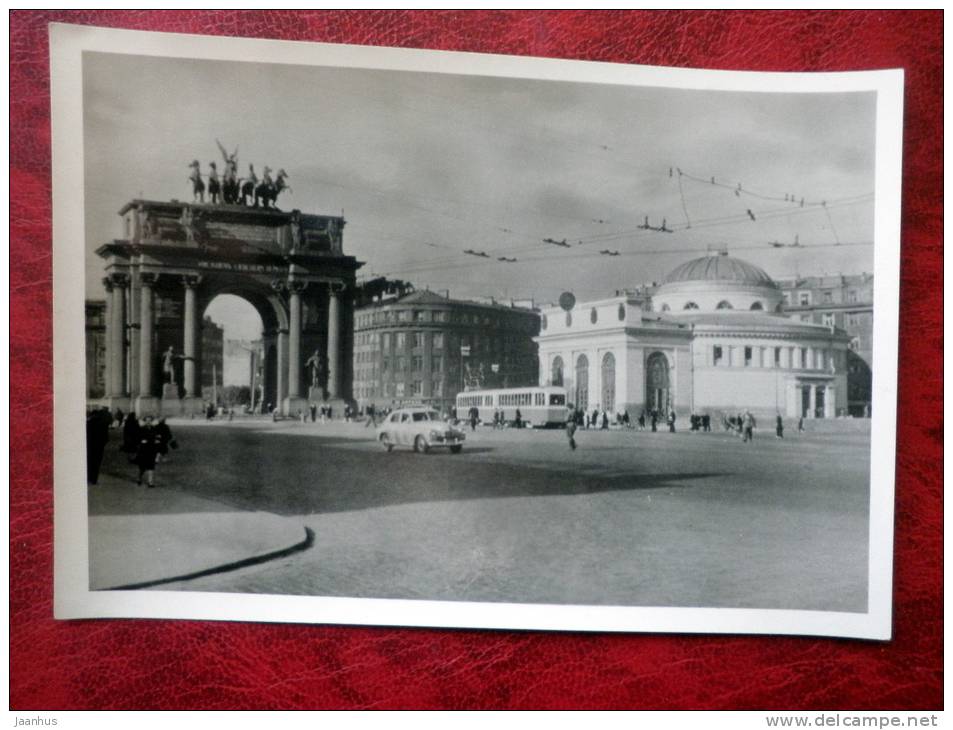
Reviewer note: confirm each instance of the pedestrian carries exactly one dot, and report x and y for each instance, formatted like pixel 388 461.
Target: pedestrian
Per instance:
pixel 571 429
pixel 625 418
pixel 747 425
pixel 519 419
pixel 800 425
pixel 371 420
pixel 641 420
pixel 117 417
pixel 97 434
pixel 130 433
pixel 706 423
pixel 314 412
pixel 671 421
pixel 654 420
pixel 605 421
pixel 779 427
pixel 163 436
pixel 474 416
pixel 146 453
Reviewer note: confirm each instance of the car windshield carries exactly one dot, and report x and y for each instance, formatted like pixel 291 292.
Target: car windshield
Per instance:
pixel 427 416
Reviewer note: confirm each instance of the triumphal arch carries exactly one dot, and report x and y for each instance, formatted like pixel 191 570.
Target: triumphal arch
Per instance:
pixel 174 258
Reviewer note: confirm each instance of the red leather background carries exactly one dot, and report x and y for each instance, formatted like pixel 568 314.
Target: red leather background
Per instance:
pixel 190 664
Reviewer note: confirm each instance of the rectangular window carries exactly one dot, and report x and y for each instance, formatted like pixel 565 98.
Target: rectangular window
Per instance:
pixel 717 355
pixel 748 357
pixel 400 340
pixel 777 357
pixel 437 387
pixel 852 296
pixel 385 367
pixel 418 339
pixel 803 358
pixel 804 298
pixel 436 363
pixel 417 364
pixel 385 340
pixel 438 340
pixel 418 387
pixel 828 296
pixel 828 319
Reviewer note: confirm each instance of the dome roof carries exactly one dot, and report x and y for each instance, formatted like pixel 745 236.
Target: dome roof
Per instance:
pixel 719 268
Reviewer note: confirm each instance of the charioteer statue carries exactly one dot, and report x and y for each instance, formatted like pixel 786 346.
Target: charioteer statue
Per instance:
pixel 233 190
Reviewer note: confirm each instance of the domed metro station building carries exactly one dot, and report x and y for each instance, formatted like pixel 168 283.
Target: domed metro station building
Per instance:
pixel 712 338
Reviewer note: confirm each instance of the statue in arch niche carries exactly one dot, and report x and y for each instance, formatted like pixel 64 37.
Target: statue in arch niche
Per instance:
pixel 168 365
pixel 317 367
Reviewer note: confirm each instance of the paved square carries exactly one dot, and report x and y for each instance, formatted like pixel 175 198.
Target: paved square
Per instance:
pixel 630 518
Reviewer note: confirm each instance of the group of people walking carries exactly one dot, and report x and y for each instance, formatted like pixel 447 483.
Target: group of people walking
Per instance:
pixel 744 424
pixel 146 442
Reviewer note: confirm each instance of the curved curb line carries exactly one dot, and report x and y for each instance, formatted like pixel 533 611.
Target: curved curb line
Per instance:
pixel 305 544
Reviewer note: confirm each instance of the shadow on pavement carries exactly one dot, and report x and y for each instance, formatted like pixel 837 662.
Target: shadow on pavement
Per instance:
pixel 286 475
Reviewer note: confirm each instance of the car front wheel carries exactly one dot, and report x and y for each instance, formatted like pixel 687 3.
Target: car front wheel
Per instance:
pixel 420 445
pixel 385 442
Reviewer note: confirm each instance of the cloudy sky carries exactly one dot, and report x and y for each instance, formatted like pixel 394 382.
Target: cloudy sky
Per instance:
pixel 424 166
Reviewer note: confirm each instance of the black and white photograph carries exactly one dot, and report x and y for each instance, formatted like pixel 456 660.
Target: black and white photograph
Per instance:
pixel 418 338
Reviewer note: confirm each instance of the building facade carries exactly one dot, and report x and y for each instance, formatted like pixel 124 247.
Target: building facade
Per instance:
pixel 213 352
pixel 425 348
pixel 713 339
pixel 846 302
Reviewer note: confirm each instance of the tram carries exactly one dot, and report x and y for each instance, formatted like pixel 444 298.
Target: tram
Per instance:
pixel 539 406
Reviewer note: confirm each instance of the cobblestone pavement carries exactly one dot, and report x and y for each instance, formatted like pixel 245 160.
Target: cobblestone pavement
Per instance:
pixel 630 518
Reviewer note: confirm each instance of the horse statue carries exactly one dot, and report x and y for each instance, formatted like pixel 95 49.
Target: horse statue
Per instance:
pixel 198 187
pixel 248 185
pixel 267 192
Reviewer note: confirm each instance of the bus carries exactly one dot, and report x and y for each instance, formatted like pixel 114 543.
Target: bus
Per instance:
pixel 539 406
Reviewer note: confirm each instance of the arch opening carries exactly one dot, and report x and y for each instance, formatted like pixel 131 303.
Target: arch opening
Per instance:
pixel 238 353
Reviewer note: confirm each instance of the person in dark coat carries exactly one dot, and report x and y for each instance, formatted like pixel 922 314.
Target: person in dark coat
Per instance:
pixel 671 421
pixel 641 420
pixel 97 434
pixel 779 427
pixel 474 415
pixel 164 438
pixel 146 452
pixel 519 419
pixel 571 419
pixel 130 434
pixel 654 420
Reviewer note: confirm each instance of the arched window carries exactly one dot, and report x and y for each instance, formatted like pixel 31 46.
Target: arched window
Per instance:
pixel 582 382
pixel 724 304
pixel 622 313
pixel 593 315
pixel 657 393
pixel 608 383
pixel 569 319
pixel 666 308
pixel 556 373
pixel 690 305
pixel 757 306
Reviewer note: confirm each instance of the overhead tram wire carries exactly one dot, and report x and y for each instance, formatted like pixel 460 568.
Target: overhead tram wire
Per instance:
pixel 630 235
pixel 629 254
